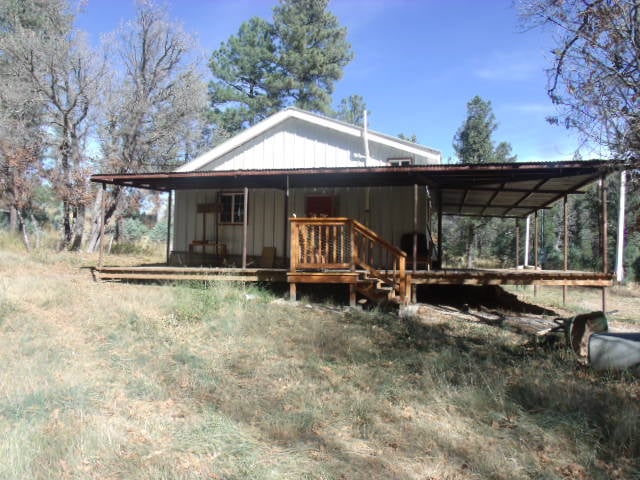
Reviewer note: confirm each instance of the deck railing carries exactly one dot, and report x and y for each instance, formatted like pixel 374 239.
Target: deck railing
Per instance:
pixel 346 244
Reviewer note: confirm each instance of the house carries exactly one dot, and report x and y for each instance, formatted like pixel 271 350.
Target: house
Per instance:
pixel 322 201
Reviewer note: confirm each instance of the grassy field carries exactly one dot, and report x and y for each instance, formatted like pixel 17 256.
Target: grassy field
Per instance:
pixel 115 381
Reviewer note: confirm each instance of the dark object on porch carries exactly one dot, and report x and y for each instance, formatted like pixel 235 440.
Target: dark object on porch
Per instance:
pixel 423 253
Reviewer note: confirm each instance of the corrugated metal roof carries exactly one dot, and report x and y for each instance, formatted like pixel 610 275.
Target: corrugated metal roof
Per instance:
pixel 502 190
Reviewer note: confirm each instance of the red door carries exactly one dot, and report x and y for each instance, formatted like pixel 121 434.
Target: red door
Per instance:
pixel 319 206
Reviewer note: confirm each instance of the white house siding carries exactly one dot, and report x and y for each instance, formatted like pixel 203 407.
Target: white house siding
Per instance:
pixel 297 144
pixel 390 215
pixel 265 226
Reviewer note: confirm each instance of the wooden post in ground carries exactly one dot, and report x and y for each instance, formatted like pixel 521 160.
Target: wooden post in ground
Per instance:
pixel 244 228
pixel 605 240
pixel 101 245
pixel 565 262
pixel 169 208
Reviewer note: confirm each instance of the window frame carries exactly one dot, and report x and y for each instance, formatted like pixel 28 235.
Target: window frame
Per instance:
pixel 233 195
pixel 400 161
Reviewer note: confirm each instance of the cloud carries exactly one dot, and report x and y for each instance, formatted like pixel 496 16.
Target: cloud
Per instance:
pixel 530 108
pixel 508 66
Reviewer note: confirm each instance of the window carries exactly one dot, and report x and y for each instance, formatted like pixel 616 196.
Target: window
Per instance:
pixel 400 161
pixel 232 207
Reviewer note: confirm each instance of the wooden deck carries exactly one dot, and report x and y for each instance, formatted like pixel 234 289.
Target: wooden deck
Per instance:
pixel 421 277
pixel 168 273
pixel 512 277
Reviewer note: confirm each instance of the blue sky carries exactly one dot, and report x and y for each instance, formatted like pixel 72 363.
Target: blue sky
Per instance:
pixel 417 63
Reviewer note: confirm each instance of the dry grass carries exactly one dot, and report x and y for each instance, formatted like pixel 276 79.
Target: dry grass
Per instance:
pixel 115 381
pixel 623 301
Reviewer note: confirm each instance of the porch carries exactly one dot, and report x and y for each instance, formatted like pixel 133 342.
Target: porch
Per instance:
pixel 214 229
pixel 337 250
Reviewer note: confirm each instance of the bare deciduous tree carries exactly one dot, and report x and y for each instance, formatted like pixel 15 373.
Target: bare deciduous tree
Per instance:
pixel 154 112
pixel 595 76
pixel 64 76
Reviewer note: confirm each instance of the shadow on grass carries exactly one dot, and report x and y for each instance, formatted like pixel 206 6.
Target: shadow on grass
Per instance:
pixel 489 296
pixel 311 380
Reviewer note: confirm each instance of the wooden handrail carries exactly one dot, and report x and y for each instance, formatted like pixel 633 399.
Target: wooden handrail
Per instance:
pixel 366 231
pixel 336 243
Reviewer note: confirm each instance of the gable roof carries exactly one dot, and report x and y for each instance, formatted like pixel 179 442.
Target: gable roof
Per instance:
pixel 331 124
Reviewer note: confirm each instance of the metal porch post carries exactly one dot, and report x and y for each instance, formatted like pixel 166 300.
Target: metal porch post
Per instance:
pixel 244 228
pixel 414 251
pixel 517 243
pixel 169 219
pixel 536 231
pixel 439 229
pixel 565 262
pixel 101 247
pixel 285 221
pixel 429 225
pixel 605 240
pixel 621 221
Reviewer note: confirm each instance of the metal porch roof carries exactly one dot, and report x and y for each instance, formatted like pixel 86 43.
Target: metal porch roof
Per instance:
pixel 498 190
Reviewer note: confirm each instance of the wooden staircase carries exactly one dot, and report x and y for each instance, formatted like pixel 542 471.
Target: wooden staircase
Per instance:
pixel 326 249
pixel 376 290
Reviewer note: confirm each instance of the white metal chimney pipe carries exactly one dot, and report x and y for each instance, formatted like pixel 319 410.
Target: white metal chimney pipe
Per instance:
pixel 365 138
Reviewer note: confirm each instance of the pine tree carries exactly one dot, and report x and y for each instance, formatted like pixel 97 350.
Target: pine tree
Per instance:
pixel 351 110
pixel 242 92
pixel 472 142
pixel 267 66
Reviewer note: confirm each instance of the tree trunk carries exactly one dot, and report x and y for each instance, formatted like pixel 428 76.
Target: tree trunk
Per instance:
pixel 78 227
pixel 13 219
pixel 94 236
pixel 23 228
pixel 67 232
pixel 112 202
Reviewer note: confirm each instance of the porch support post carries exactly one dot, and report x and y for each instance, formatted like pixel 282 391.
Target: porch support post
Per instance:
pixel 439 229
pixel 285 221
pixel 526 241
pixel 565 262
pixel 605 240
pixel 169 208
pixel 517 243
pixel 621 219
pixel 414 252
pixel 101 246
pixel 244 228
pixel 536 231
pixel 429 228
